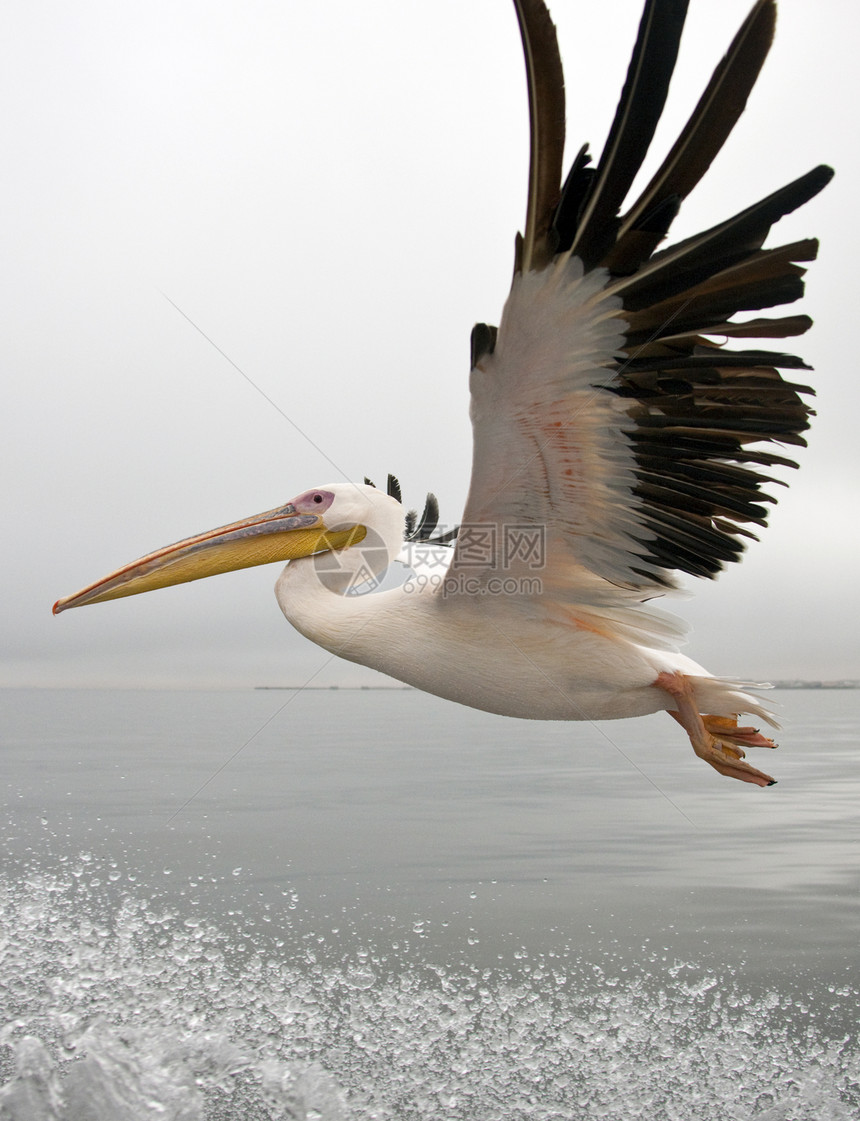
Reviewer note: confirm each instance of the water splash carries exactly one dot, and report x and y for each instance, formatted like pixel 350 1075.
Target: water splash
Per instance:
pixel 116 1007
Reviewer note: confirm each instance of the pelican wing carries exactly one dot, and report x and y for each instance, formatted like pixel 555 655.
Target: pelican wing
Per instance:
pixel 613 428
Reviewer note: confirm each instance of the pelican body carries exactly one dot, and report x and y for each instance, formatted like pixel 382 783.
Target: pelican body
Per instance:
pixel 471 642
pixel 618 439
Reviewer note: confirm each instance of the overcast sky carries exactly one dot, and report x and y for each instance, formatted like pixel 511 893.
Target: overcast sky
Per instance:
pixel 330 193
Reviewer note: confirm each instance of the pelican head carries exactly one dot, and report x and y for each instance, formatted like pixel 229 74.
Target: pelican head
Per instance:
pixel 334 517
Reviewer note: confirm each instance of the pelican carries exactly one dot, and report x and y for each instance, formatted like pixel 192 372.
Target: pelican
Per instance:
pixel 619 437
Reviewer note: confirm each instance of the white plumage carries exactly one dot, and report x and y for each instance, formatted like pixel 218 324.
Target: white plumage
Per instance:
pixel 524 655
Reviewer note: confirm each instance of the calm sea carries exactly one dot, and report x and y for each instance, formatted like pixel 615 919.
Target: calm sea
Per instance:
pixel 375 906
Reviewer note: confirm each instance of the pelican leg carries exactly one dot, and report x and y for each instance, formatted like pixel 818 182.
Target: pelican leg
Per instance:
pixel 716 739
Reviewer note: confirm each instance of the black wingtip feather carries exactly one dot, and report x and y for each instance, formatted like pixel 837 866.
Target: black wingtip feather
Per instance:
pixel 545 81
pixel 639 109
pixel 714 117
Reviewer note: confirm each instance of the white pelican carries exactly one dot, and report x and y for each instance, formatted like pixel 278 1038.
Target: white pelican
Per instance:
pixel 617 438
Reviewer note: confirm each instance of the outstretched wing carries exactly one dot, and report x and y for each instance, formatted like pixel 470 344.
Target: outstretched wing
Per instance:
pixel 609 415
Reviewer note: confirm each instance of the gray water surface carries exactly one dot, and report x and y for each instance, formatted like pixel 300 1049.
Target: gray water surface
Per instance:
pixel 464 916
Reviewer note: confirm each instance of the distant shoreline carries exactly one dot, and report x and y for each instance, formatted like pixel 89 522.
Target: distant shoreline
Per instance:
pixel 847 684
pixel 344 688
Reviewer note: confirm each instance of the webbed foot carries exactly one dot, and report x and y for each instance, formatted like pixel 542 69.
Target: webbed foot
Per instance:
pixel 716 739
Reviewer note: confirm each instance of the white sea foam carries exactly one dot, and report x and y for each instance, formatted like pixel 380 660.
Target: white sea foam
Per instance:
pixel 117 1007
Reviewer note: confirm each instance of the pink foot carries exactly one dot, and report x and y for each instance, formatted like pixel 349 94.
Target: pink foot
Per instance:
pixel 716 739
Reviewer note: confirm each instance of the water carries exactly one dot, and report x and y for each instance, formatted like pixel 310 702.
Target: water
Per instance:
pixel 351 906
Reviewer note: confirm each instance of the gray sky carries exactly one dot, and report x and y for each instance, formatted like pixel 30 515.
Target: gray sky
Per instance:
pixel 330 193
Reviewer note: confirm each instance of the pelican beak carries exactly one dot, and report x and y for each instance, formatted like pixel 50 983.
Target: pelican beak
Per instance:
pixel 278 535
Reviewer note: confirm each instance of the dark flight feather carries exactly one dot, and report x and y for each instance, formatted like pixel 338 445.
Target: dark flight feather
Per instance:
pixel 545 80
pixel 706 131
pixel 700 419
pixel 698 413
pixel 639 110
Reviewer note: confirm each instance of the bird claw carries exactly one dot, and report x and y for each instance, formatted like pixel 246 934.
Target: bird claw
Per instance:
pixel 726 728
pixel 716 739
pixel 728 759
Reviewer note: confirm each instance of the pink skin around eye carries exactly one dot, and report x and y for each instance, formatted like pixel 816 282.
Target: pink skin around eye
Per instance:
pixel 313 501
